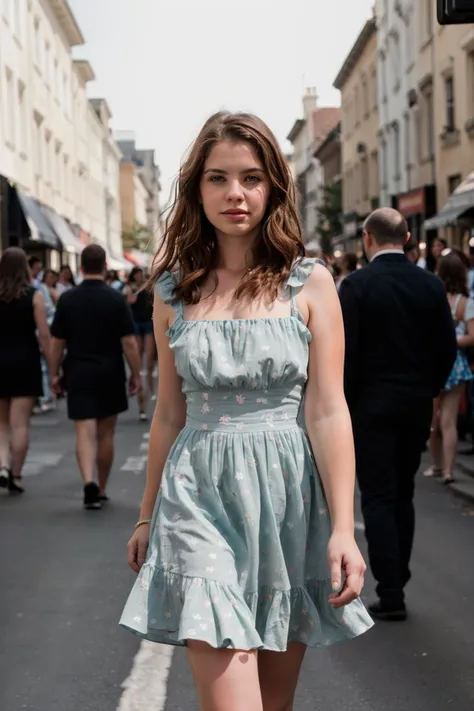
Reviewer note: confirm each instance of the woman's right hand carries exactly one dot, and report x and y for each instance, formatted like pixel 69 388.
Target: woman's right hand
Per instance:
pixel 137 547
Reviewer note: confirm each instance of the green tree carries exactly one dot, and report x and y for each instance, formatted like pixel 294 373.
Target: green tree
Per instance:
pixel 136 237
pixel 329 214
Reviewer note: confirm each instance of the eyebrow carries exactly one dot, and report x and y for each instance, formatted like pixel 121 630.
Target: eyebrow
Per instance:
pixel 224 172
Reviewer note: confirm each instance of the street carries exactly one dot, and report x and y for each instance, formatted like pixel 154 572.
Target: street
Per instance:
pixel 65 579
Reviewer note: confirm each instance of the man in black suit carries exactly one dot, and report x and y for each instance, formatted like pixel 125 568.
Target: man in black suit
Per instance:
pixel 400 348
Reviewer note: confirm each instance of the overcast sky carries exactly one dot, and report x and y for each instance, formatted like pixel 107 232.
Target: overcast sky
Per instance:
pixel 165 65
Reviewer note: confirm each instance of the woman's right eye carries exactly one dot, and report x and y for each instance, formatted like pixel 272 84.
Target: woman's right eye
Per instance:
pixel 216 179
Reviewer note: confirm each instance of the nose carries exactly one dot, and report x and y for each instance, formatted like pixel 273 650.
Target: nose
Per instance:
pixel 234 191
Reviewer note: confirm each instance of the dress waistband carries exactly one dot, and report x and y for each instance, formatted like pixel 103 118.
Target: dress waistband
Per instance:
pixel 249 411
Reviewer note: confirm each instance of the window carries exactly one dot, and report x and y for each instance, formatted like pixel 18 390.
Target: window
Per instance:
pixel 383 156
pixel 37 43
pixel 449 104
pixel 395 61
pixel 365 178
pixel 56 79
pixel 38 146
pixel 374 88
pixel 429 123
pixel 47 157
pixel 22 126
pixel 47 66
pixel 428 10
pixel 454 181
pixel 383 77
pixel 9 106
pixel 470 87
pixel 408 163
pixel 357 106
pixel 396 150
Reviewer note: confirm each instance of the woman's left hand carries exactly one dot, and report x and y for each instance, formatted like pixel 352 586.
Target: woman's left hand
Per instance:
pixel 345 559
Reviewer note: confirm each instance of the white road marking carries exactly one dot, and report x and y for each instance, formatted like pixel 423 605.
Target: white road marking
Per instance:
pixel 134 464
pixel 37 461
pixel 146 685
pixel 146 435
pixel 144 447
pixel 359 526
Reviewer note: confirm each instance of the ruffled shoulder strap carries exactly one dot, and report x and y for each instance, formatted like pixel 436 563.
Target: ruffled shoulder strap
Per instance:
pixel 300 272
pixel 165 286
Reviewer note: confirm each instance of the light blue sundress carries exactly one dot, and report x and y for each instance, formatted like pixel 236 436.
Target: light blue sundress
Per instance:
pixel 238 541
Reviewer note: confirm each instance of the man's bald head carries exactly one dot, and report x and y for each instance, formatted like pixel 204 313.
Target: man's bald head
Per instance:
pixel 387 226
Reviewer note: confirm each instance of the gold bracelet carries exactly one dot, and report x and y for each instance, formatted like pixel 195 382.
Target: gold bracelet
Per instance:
pixel 145 522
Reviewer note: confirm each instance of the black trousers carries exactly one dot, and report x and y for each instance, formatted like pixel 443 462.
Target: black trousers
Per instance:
pixel 388 454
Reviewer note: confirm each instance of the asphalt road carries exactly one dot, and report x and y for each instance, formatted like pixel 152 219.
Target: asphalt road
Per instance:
pixel 64 580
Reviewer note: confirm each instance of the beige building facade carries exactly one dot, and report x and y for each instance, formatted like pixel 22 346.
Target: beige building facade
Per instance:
pixel 453 129
pixel 357 82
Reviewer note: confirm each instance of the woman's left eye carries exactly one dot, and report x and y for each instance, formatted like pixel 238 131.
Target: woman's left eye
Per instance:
pixel 253 179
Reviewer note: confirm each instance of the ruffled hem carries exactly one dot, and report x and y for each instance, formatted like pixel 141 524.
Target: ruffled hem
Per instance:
pixel 171 608
pixel 301 271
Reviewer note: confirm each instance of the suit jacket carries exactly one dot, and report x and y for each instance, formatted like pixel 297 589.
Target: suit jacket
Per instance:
pixel 400 340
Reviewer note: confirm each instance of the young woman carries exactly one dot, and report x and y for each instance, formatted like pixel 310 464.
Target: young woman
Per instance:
pixel 444 437
pixel 22 315
pixel 66 280
pixel 247 555
pixel 142 311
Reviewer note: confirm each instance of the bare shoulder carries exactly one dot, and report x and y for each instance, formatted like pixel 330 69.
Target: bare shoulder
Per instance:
pixel 319 283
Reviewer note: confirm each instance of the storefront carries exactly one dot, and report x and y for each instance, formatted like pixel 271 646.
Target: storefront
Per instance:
pixel 352 233
pixel 416 206
pixel 455 222
pixel 71 247
pixel 29 228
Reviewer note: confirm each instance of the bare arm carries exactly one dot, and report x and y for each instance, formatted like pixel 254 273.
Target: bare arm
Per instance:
pixel 44 335
pixel 130 350
pixel 468 340
pixel 129 295
pixel 170 411
pixel 57 350
pixel 326 413
pixel 330 431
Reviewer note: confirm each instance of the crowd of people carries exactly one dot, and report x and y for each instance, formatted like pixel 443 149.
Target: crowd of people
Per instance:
pixel 57 342
pixel 280 381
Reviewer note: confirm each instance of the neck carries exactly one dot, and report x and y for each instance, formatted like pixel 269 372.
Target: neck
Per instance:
pixel 389 246
pixel 93 276
pixel 234 252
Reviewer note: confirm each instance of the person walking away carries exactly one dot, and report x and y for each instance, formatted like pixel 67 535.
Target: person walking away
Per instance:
pixel 348 264
pixel 94 324
pixel 251 550
pixel 66 280
pixel 142 311
pixel 444 434
pixel 22 316
pixel 434 254
pixel 400 348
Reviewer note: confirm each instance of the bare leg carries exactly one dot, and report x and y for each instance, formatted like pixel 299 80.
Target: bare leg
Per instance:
pixel 142 394
pixel 278 673
pixel 150 349
pixel 226 679
pixel 5 433
pixel 436 444
pixel 20 415
pixel 448 423
pixel 86 447
pixel 105 450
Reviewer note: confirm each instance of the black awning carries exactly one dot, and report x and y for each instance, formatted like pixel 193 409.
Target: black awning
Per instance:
pixel 40 228
pixel 458 203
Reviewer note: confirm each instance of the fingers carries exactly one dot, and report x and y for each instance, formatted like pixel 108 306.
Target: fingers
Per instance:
pixel 350 592
pixel 136 554
pixel 335 563
pixel 141 552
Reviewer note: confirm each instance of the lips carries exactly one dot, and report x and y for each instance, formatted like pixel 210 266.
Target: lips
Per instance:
pixel 235 212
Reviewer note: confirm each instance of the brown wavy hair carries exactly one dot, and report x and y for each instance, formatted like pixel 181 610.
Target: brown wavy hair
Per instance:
pixel 15 275
pixel 452 271
pixel 189 244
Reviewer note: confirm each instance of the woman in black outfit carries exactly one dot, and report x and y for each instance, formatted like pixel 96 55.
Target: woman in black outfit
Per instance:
pixel 141 304
pixel 22 314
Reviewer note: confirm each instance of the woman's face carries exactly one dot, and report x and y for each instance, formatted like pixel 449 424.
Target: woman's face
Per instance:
pixel 138 278
pixel 234 189
pixel 437 248
pixel 66 274
pixel 50 279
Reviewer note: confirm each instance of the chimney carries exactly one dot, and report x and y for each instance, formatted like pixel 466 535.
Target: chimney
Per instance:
pixel 310 101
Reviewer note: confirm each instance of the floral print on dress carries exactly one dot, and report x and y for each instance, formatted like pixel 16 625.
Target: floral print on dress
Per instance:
pixel 238 543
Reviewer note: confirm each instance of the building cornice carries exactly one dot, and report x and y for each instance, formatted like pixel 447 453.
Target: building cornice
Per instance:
pixel 368 31
pixel 84 70
pixel 296 130
pixel 67 21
